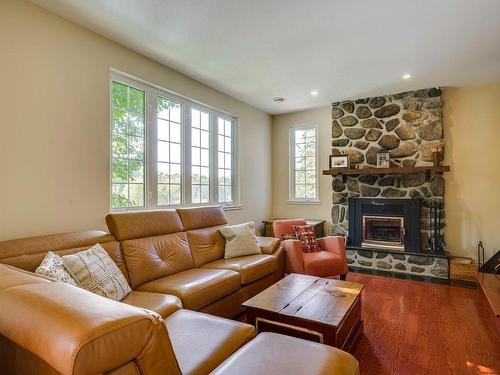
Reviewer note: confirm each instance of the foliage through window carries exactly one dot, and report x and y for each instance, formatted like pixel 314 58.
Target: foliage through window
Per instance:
pixel 167 150
pixel 303 163
pixel 128 146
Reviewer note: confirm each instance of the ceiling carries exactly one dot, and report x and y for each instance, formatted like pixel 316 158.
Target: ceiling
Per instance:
pixel 255 50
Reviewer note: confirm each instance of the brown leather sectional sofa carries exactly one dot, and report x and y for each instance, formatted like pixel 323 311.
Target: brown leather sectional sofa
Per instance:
pixel 174 262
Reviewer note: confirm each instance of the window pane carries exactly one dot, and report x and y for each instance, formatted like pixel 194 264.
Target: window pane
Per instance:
pixel 127 148
pixel 163 194
pixel 195 156
pixel 300 136
pixel 195 137
pixel 120 170
pixel 136 195
pixel 120 95
pixel 175 132
pixel 175 153
pixel 195 194
pixel 205 194
pixel 227 144
pixel 119 121
pixel 175 194
pixel 175 112
pixel 163 151
pixel 220 126
pixel 163 132
pixel 204 139
pixel 195 118
pixel 163 173
pixel 228 128
pixel 175 173
pixel 205 158
pixel 169 151
pixel 204 175
pixel 120 196
pixel 229 194
pixel 204 121
pixel 136 171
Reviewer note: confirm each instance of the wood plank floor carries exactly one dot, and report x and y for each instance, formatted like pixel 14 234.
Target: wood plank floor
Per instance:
pixel 421 328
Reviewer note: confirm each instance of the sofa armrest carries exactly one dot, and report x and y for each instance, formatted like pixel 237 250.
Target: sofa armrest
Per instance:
pixel 76 331
pixel 333 244
pixel 268 245
pixel 294 257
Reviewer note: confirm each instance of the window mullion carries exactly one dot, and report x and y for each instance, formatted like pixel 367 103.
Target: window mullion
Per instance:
pixel 186 167
pixel 214 149
pixel 151 168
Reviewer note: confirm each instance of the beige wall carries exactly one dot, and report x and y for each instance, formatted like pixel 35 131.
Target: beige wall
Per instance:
pixel 472 138
pixel 54 124
pixel 281 123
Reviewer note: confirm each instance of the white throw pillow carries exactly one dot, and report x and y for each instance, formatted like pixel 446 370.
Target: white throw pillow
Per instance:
pixel 94 270
pixel 53 266
pixel 240 240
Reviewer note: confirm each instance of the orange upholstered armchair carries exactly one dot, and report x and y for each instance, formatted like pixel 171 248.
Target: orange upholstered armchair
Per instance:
pixel 330 261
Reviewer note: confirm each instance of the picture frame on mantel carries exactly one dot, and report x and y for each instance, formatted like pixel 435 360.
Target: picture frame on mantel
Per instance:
pixel 339 161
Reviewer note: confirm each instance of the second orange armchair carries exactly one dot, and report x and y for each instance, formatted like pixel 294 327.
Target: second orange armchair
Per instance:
pixel 330 261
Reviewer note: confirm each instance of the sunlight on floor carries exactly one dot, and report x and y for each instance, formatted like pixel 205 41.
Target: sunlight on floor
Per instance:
pixel 481 369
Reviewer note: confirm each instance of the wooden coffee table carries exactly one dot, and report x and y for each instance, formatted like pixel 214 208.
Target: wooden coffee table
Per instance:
pixel 314 308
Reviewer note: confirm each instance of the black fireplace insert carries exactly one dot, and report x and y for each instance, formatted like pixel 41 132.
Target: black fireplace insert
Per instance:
pixel 385 223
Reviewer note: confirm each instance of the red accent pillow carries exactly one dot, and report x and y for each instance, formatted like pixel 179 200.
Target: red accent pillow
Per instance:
pixel 305 234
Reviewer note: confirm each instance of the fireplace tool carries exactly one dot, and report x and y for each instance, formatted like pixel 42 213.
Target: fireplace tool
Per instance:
pixel 436 242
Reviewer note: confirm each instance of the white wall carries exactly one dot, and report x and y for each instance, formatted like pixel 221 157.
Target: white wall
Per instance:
pixel 281 123
pixel 54 124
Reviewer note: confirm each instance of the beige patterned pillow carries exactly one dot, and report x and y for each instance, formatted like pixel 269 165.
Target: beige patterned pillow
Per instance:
pixel 95 271
pixel 240 240
pixel 53 266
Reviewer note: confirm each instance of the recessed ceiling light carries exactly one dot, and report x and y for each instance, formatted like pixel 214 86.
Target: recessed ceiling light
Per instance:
pixel 279 99
pixel 406 76
pixel 314 93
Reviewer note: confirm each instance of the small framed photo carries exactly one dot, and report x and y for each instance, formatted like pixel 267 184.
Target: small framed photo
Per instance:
pixel 340 161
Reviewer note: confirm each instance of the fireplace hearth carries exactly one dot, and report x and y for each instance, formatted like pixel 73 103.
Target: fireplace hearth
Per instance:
pixel 391 224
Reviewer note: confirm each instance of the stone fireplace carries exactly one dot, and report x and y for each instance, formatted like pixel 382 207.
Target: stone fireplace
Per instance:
pixel 408 125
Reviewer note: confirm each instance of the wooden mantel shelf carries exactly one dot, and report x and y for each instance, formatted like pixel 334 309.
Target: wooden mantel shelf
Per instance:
pixel 394 170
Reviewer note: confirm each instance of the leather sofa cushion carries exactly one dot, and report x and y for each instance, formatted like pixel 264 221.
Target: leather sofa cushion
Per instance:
pixel 250 268
pixel 201 342
pixel 196 287
pixel 128 225
pixel 201 217
pixel 273 354
pixel 152 258
pixel 322 264
pixel 163 304
pixel 207 245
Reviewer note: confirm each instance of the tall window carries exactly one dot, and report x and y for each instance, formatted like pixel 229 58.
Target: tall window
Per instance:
pixel 128 146
pixel 168 150
pixel 224 157
pixel 304 163
pixel 200 156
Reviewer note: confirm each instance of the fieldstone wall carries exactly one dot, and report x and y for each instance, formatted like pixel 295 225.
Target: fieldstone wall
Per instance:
pixel 399 262
pixel 408 125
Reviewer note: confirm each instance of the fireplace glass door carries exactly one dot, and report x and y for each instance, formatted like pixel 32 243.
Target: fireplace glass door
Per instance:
pixel 386 232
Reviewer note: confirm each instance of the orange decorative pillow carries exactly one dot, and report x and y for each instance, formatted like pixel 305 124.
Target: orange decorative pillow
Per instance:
pixel 305 233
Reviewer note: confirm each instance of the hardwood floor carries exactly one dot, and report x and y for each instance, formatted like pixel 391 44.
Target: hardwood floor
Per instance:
pixel 421 328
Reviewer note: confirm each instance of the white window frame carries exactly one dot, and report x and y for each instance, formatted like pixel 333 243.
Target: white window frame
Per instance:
pixel 292 199
pixel 150 153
